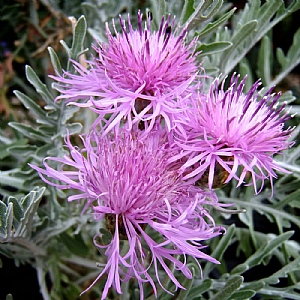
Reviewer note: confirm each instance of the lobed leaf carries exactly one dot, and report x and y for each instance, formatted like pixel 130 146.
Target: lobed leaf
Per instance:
pixel 211 27
pixel 239 37
pixel 290 267
pixel 40 87
pixel 29 132
pixel 211 48
pixel 266 15
pixel 16 218
pixel 9 178
pixel 292 292
pixel 7 145
pixel 265 250
pixel 209 7
pixel 34 108
pixel 220 249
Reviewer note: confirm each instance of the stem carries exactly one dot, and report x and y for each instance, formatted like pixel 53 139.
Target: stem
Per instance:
pixel 77 260
pixel 125 290
pixel 37 251
pixel 41 279
pixel 263 207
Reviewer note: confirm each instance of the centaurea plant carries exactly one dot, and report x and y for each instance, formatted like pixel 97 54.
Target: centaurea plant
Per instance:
pixel 131 174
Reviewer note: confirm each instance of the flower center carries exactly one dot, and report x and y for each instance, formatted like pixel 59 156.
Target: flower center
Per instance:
pixel 110 220
pixel 111 225
pixel 220 174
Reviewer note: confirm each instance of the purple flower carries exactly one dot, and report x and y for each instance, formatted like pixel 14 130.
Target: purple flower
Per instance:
pixel 229 129
pixel 138 75
pixel 130 184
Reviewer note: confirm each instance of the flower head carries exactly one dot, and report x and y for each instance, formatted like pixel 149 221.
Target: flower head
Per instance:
pixel 130 184
pixel 138 76
pixel 231 129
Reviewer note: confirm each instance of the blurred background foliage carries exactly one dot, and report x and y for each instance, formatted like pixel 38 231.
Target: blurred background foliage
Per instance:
pixel 259 254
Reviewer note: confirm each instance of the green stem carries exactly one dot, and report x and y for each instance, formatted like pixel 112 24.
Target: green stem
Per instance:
pixel 74 259
pixel 37 251
pixel 41 278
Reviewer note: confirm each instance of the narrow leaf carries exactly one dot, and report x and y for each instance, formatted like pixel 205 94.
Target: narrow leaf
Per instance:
pixel 79 36
pixel 264 63
pixel 283 61
pixel 24 151
pixel 243 33
pixel 230 287
pixel 214 47
pixel 242 295
pixel 9 220
pixel 254 285
pixel 55 61
pixel 3 209
pixel 294 6
pixel 66 47
pixel 5 146
pixel 74 244
pixel 17 210
pixel 187 283
pixel 245 70
pixel 200 288
pixel 220 249
pixel 268 10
